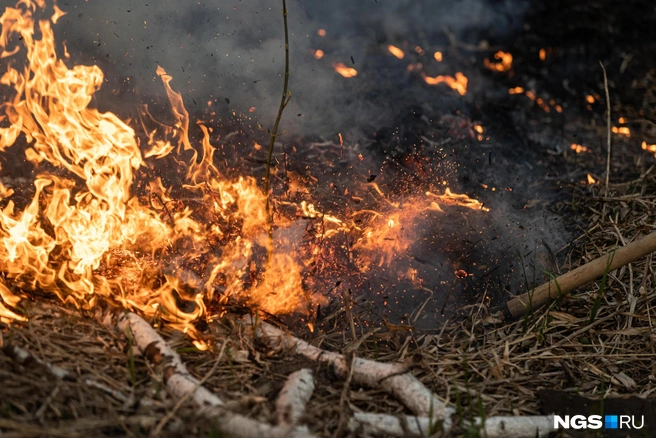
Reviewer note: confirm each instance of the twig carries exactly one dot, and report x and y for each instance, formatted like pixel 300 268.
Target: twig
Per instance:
pixel 607 127
pixel 180 382
pixel 283 103
pixel 392 378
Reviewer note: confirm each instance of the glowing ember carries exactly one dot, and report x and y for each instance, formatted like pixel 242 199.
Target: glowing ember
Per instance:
pixel 419 51
pixel 649 147
pixel 479 130
pixel 590 99
pixel 622 130
pixel 318 54
pixel 578 148
pixel 516 90
pixel 543 54
pixel 321 32
pixel 459 83
pixel 396 51
pixel 504 64
pixel 438 56
pixel 591 180
pixel 347 72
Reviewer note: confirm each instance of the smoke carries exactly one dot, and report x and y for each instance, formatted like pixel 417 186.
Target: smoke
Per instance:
pixel 232 52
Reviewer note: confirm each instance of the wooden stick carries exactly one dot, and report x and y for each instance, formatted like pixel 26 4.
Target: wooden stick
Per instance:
pixel 181 383
pixel 564 284
pixel 294 396
pixel 392 378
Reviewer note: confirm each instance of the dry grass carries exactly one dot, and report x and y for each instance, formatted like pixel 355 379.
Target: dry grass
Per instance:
pixel 474 363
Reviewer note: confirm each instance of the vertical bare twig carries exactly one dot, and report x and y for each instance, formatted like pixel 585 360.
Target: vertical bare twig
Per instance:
pixel 607 126
pixel 274 132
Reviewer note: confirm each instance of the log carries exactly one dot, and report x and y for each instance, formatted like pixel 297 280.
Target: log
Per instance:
pixel 409 426
pixel 518 306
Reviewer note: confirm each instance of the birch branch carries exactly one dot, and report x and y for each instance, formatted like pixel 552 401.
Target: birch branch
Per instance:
pixel 294 396
pixel 493 427
pixel 392 378
pixel 180 383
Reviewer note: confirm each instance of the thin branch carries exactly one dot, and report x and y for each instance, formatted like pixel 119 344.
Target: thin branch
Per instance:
pixel 274 132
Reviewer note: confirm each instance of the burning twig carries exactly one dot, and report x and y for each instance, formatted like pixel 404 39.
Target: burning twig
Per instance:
pixel 294 397
pixel 493 427
pixel 564 284
pixel 180 383
pixel 392 378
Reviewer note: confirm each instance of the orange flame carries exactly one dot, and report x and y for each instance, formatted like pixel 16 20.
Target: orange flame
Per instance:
pixel 649 148
pixel 459 83
pixel 78 236
pixel 347 72
pixel 622 130
pixel 578 148
pixel 504 64
pixel 438 56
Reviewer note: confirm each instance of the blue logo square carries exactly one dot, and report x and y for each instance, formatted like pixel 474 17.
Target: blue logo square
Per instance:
pixel 610 421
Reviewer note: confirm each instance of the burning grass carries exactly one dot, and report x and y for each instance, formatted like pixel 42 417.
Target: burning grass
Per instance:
pixel 596 343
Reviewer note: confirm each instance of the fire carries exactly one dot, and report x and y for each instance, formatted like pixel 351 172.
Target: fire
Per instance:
pixel 78 236
pixel 591 180
pixel 461 200
pixel 649 148
pixel 90 232
pixel 516 90
pixel 578 148
pixel 396 51
pixel 347 72
pixel 459 83
pixel 543 54
pixel 504 64
pixel 479 130
pixel 438 56
pixel 622 130
pixel 318 54
pixel 321 32
pixel 590 99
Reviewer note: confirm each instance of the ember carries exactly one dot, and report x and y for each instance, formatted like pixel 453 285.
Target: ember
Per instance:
pixel 347 72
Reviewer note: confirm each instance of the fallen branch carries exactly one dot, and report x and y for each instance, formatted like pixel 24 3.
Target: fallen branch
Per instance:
pixel 181 383
pixel 493 427
pixel 392 378
pixel 294 397
pixel 564 284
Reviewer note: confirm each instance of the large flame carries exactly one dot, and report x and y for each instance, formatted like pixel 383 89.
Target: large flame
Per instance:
pixel 89 231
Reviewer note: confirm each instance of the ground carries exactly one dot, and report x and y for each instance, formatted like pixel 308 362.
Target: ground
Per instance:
pixel 597 343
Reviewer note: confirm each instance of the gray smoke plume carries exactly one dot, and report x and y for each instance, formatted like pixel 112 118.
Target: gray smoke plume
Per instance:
pixel 232 52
